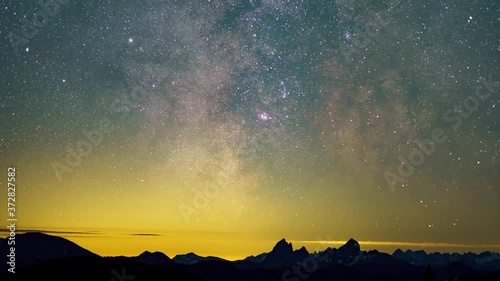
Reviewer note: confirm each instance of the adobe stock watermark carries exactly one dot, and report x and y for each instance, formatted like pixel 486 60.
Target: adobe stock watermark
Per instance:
pixel 121 277
pixel 31 25
pixel 219 180
pixel 303 270
pixel 454 118
pixel 215 182
pixel 94 137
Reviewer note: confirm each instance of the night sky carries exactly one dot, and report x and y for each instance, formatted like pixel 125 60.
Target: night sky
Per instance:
pixel 220 127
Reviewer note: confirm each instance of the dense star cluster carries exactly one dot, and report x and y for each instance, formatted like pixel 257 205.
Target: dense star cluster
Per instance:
pixel 270 118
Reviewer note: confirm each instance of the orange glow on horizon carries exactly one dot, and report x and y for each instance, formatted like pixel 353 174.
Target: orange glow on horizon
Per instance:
pixel 229 246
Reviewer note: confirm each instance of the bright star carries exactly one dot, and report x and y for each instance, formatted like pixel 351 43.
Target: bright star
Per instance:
pixel 264 116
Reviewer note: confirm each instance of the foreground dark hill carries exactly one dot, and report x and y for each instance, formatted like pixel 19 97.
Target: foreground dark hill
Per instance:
pixel 95 268
pixel 45 256
pixel 36 247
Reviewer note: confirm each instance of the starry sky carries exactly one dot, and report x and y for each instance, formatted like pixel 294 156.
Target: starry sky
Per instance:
pixel 220 127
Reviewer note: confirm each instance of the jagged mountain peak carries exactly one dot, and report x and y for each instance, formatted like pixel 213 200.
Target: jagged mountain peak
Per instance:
pixel 398 251
pixel 153 258
pixel 350 246
pixel 353 243
pixel 155 254
pixel 283 246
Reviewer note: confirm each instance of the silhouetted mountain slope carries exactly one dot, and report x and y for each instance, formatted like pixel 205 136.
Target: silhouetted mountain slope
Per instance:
pixel 456 269
pixel 36 247
pixel 349 253
pixel 95 268
pixel 254 259
pixel 493 276
pixel 192 258
pixel 486 261
pixel 350 248
pixel 283 255
pixel 372 272
pixel 156 258
pixel 60 259
pixel 217 270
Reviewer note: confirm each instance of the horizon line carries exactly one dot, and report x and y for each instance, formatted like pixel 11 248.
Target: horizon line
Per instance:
pixel 424 244
pixel 397 243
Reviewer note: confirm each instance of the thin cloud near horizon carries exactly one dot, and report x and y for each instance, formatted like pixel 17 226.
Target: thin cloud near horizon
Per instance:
pixel 320 242
pixel 21 231
pixel 408 244
pixel 69 233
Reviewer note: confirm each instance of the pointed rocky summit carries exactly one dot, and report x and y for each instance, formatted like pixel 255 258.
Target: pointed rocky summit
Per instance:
pixel 283 255
pixel 351 247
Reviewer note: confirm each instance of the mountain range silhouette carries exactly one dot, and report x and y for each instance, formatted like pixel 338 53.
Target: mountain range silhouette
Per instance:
pixel 39 255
